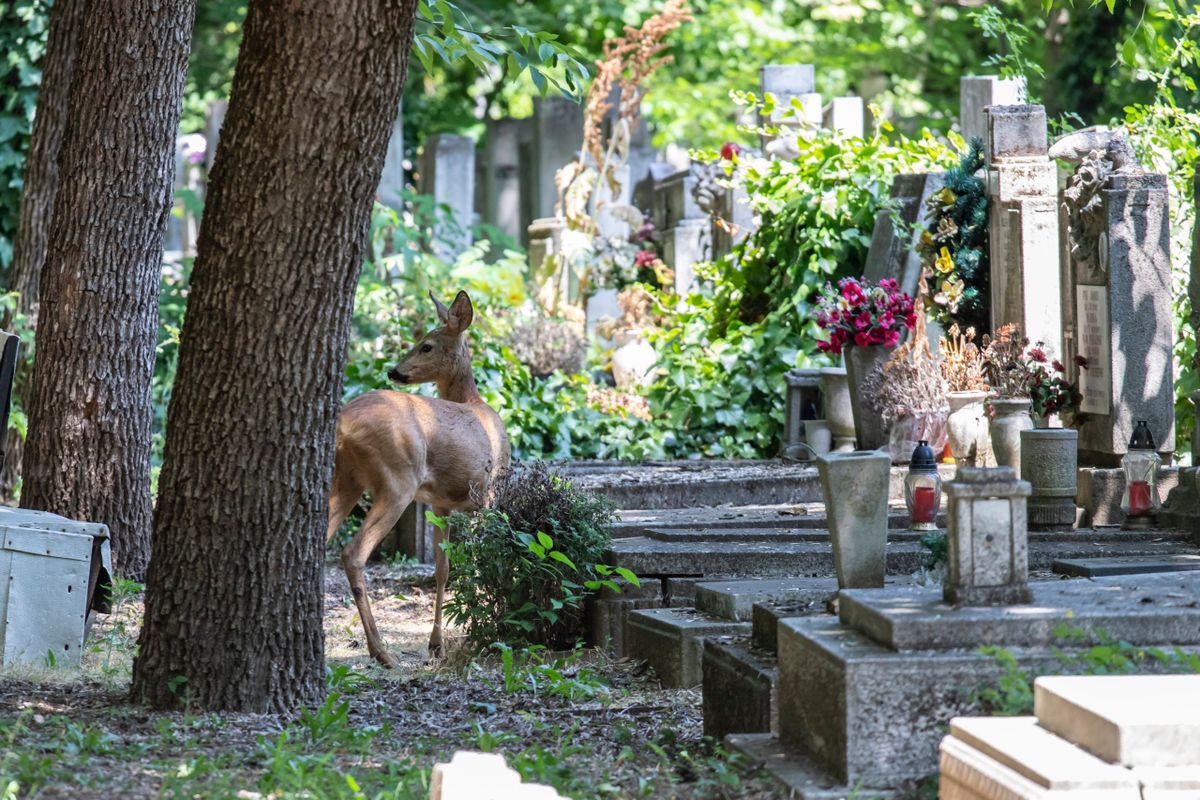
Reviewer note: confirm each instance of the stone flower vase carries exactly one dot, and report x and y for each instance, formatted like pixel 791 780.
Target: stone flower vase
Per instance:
pixel 1010 416
pixel 855 486
pixel 868 425
pixel 634 359
pixel 1049 461
pixel 835 394
pixel 967 429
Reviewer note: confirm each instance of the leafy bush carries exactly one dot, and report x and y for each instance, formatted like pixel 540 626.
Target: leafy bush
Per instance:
pixel 521 568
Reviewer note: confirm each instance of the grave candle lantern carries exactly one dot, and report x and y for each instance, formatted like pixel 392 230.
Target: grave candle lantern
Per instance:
pixel 923 489
pixel 1140 500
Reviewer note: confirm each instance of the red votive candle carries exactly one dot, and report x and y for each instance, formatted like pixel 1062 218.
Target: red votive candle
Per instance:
pixel 1139 498
pixel 924 504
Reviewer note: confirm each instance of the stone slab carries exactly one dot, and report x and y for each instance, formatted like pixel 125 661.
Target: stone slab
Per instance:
pixel 797 773
pixel 1142 610
pixel 735 600
pixel 740 683
pixel 1168 783
pixel 1135 720
pixel 680 592
pixel 1126 565
pixel 607 611
pixel 763 559
pixel 671 640
pixel 1036 754
pixel 1100 490
pixel 762 534
pixel 965 773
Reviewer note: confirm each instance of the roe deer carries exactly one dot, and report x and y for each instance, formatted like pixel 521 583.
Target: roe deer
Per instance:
pixel 402 447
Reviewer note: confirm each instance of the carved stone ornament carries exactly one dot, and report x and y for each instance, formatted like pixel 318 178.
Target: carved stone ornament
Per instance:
pixel 1085 210
pixel 708 190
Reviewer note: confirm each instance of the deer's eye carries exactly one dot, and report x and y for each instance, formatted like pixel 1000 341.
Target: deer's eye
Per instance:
pixel 425 348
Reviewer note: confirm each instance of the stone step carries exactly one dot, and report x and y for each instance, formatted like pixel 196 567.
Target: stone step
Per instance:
pixel 798 774
pixel 735 600
pixel 985 757
pixel 773 558
pixel 740 683
pixel 1135 720
pixel 1126 565
pixel 672 641
pixel 691 484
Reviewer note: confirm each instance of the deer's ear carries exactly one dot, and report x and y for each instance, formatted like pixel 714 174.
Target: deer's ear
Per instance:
pixel 461 314
pixel 442 312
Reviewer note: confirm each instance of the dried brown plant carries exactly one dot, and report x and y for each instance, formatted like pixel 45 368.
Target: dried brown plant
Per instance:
pixel 613 401
pixel 909 381
pixel 962 361
pixel 1003 362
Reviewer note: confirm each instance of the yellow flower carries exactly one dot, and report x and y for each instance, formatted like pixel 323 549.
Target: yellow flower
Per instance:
pixel 951 294
pixel 927 238
pixel 944 263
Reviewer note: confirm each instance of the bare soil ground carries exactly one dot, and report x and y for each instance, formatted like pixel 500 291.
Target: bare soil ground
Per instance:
pixel 587 725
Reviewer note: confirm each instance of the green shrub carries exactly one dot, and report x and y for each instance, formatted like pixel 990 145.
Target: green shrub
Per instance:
pixel 521 568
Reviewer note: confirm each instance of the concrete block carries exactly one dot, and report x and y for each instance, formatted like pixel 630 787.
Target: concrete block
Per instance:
pixel 680 592
pixel 607 612
pixel 1126 565
pixel 976 93
pixel 1017 131
pixel 1135 720
pixel 671 639
pixel 735 600
pixel 1142 610
pixel 1100 490
pixel 798 775
pixel 739 688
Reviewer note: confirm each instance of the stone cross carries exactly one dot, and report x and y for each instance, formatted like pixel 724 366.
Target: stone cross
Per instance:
pixel 448 175
pixel 1117 250
pixel 976 93
pixel 1026 280
pixel 988 538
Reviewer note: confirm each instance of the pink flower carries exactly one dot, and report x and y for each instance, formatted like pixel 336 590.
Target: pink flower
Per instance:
pixel 645 258
pixel 891 338
pixel 729 150
pixel 910 320
pixel 862 321
pixel 1038 355
pixel 861 339
pixel 887 320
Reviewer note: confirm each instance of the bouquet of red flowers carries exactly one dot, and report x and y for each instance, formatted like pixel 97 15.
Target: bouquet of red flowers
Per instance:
pixel 862 314
pixel 1046 380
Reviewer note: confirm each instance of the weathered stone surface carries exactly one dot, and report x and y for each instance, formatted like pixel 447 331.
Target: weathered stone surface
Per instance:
pixel 787 82
pixel 893 252
pixel 799 774
pixel 680 592
pixel 739 688
pixel 987 543
pixel 448 174
pixel 671 639
pixel 764 619
pixel 968 773
pixel 607 612
pixel 686 244
pixel 1126 565
pixel 761 559
pixel 735 600
pixel 1017 131
pixel 1135 720
pixel 1100 490
pixel 507 204
pixel 976 93
pixel 855 487
pixel 557 140
pixel 1049 462
pixel 1143 610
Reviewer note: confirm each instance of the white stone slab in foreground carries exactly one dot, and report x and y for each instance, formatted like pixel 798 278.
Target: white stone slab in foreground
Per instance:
pixel 1136 720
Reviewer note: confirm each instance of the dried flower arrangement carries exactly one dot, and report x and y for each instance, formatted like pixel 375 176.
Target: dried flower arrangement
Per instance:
pixel 1003 362
pixel 909 382
pixel 637 312
pixel 619 403
pixel 962 361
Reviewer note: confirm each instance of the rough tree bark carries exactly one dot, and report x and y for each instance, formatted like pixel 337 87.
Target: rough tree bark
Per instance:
pixel 37 195
pixel 234 595
pixel 88 452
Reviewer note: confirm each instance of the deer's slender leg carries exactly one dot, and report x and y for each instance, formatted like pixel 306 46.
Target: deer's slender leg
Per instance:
pixel 441 573
pixel 342 500
pixel 385 511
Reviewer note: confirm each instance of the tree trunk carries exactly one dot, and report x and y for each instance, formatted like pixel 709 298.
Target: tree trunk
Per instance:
pixel 234 596
pixel 37 197
pixel 88 453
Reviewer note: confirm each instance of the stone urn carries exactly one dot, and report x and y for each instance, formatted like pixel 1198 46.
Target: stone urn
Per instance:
pixel 1049 461
pixel 860 363
pixel 855 486
pixel 967 428
pixel 835 394
pixel 1009 416
pixel 634 359
pixel 818 436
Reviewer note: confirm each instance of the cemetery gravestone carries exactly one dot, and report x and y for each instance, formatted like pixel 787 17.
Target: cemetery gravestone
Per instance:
pixel 392 180
pixel 976 93
pixel 893 252
pixel 1023 225
pixel 502 203
pixel 557 140
pixel 448 175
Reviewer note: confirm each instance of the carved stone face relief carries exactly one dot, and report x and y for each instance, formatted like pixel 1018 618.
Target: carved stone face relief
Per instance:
pixel 1085 212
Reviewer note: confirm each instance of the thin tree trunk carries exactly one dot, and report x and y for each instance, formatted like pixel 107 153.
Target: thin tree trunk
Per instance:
pixel 37 195
pixel 88 453
pixel 234 596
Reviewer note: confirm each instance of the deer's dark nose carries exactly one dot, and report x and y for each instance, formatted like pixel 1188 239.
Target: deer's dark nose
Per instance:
pixel 396 375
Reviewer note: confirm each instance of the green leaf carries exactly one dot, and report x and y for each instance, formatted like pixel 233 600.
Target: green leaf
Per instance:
pixel 544 540
pixel 628 575
pixel 559 556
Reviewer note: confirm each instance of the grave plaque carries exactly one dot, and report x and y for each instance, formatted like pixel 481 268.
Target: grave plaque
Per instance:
pixel 1095 345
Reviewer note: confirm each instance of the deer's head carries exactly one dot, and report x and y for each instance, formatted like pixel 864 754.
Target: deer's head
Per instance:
pixel 442 352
